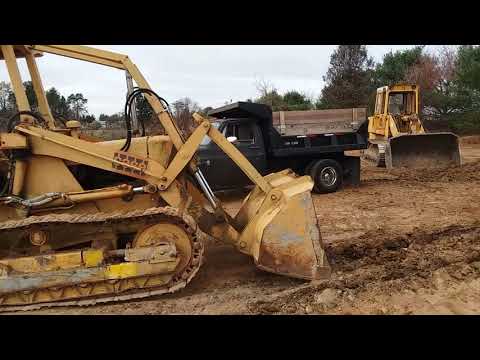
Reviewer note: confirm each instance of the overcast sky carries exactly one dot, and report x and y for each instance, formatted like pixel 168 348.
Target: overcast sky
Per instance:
pixel 210 75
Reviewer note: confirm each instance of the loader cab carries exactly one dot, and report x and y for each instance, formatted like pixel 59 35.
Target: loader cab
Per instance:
pixel 397 100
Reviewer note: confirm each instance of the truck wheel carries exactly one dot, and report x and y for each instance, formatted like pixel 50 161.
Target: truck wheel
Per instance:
pixel 327 175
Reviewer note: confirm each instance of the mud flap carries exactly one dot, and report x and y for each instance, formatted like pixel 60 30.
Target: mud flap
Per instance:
pixel 423 151
pixel 283 234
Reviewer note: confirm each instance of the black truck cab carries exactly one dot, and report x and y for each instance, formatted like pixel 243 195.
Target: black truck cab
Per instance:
pixel 220 171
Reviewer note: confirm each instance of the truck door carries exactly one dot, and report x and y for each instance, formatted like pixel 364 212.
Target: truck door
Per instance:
pixel 250 143
pixel 220 171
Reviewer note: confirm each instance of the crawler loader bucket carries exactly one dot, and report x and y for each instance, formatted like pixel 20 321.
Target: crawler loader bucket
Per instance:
pixel 423 151
pixel 280 229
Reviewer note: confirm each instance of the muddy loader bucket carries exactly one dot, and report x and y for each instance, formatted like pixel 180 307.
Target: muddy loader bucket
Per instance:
pixel 423 151
pixel 280 229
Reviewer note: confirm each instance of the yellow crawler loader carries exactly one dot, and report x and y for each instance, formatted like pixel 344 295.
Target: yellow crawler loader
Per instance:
pixel 397 137
pixel 84 221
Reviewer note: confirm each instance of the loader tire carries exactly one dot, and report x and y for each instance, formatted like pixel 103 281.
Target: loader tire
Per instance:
pixel 327 174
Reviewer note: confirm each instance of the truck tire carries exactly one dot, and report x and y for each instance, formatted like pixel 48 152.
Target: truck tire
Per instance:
pixel 327 174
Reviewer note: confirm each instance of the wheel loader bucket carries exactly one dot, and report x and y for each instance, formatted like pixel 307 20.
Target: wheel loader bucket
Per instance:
pixel 280 229
pixel 423 151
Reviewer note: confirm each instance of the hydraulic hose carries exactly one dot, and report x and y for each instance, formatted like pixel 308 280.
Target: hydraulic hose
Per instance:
pixel 128 112
pixel 11 121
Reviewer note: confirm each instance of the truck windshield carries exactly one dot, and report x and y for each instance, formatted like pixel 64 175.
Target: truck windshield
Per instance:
pixel 206 140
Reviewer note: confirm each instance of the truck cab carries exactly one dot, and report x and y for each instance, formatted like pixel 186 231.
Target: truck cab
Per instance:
pixel 221 172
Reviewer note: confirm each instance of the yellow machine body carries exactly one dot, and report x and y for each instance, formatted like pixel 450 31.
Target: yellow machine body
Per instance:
pixel 84 221
pixel 397 137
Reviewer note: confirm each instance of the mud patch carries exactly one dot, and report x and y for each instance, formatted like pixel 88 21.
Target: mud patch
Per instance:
pixel 470 140
pixel 376 265
pixel 467 172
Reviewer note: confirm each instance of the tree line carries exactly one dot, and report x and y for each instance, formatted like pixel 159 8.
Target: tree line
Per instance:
pixel 74 106
pixel 449 81
pixel 64 108
pixel 182 110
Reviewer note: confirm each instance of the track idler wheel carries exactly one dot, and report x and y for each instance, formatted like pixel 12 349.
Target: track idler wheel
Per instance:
pixel 167 233
pixel 376 154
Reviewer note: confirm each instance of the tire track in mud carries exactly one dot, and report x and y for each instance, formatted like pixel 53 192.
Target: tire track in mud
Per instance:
pixel 376 264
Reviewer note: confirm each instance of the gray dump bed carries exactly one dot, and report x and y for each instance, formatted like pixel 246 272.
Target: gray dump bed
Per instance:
pixel 331 121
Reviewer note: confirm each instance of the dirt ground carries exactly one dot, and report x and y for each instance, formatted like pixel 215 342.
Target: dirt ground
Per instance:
pixel 402 242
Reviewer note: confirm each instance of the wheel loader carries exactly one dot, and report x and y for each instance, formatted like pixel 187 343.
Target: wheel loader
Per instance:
pixel 397 137
pixel 84 221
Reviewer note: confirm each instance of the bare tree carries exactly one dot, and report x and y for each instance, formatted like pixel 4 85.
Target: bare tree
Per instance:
pixel 447 66
pixel 268 94
pixel 264 87
pixel 435 73
pixel 426 73
pixel 183 109
pixel 5 91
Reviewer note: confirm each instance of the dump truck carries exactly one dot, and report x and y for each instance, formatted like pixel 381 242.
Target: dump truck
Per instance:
pixel 84 221
pixel 309 142
pixel 397 137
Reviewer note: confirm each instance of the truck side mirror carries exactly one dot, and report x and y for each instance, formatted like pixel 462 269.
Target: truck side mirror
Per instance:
pixel 232 139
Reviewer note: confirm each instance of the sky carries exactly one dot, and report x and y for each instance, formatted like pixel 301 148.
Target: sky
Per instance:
pixel 210 75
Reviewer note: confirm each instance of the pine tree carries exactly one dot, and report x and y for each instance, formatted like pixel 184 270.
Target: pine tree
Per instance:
pixel 348 79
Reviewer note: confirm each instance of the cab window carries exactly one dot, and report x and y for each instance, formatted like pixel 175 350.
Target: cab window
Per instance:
pixel 243 132
pixel 401 103
pixel 396 104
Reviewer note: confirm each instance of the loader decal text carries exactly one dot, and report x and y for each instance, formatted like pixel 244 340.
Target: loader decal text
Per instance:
pixel 130 164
